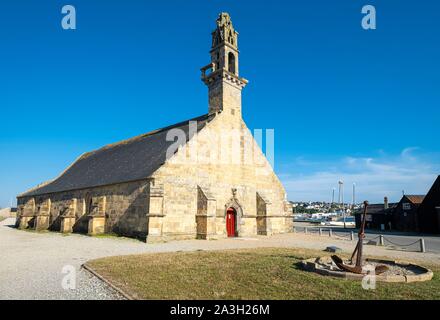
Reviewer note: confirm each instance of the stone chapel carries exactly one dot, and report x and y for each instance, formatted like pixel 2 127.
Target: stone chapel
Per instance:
pixel 202 178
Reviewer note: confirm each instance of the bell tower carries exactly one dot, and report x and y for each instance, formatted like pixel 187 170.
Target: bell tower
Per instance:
pixel 222 74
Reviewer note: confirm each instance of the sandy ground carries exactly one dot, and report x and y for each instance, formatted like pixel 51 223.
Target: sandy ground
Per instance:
pixel 32 263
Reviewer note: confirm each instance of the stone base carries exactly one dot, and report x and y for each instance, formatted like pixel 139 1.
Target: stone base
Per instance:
pixel 320 266
pixel 155 224
pixel 175 237
pixel 41 222
pixel 207 236
pixel 155 239
pixel 206 227
pixel 96 225
pixel 66 224
pixel 23 222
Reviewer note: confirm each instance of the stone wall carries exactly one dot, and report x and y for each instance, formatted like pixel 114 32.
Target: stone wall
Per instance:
pixel 187 197
pixel 124 206
pixel 231 179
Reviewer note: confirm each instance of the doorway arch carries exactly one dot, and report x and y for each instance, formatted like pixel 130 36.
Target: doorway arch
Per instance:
pixel 231 222
pixel 237 209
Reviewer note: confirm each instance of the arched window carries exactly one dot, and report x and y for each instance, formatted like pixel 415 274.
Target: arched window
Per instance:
pixel 231 62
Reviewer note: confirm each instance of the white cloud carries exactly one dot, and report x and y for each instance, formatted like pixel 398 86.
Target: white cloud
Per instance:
pixel 375 177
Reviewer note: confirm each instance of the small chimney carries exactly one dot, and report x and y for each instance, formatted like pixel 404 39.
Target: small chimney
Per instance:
pixel 385 203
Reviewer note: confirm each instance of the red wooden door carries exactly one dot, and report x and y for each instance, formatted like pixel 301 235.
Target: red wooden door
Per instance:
pixel 230 222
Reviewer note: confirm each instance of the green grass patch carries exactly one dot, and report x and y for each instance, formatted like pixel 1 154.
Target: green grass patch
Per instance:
pixel 270 273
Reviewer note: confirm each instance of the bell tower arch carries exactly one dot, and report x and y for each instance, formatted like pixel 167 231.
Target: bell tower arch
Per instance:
pixel 223 81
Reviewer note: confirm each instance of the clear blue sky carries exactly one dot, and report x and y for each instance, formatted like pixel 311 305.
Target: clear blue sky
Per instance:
pixel 345 103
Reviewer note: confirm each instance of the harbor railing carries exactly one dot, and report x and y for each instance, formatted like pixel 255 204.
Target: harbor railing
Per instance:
pixel 381 240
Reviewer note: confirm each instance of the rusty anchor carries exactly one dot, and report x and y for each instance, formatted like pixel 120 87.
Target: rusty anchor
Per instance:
pixel 357 268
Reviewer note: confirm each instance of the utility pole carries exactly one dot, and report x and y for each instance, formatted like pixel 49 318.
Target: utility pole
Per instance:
pixel 341 199
pixel 333 195
pixel 353 200
pixel 339 192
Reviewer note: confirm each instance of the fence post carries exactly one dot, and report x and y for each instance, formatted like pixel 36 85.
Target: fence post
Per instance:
pixel 422 245
pixel 305 230
pixel 330 233
pixel 351 235
pixel 381 240
pixel 320 231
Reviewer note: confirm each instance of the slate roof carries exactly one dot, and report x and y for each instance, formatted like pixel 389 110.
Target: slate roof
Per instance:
pixel 378 208
pixel 129 160
pixel 415 199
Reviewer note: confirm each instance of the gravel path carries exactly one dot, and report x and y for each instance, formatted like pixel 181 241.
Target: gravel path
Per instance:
pixel 31 265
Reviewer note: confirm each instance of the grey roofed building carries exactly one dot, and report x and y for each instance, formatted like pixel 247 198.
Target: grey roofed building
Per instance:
pixel 157 187
pixel 428 212
pixel 377 208
pixel 129 160
pixel 379 215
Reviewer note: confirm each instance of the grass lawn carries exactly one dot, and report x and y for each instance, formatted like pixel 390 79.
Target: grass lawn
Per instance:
pixel 243 274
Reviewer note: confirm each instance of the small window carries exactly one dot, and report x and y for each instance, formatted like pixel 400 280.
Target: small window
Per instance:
pixel 231 62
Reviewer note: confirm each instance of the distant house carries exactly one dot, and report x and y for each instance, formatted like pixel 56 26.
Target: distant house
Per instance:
pixel 379 216
pixel 429 210
pixel 405 213
pixel 413 213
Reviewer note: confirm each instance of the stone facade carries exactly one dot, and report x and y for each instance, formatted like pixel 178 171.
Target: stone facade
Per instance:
pixel 219 168
pixel 120 209
pixel 211 186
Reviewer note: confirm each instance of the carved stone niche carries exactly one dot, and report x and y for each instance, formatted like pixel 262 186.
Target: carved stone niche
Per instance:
pixel 26 214
pixel 96 216
pixel 206 214
pixel 42 217
pixel 68 217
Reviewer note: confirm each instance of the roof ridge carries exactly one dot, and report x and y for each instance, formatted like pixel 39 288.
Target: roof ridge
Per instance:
pixel 127 160
pixel 143 135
